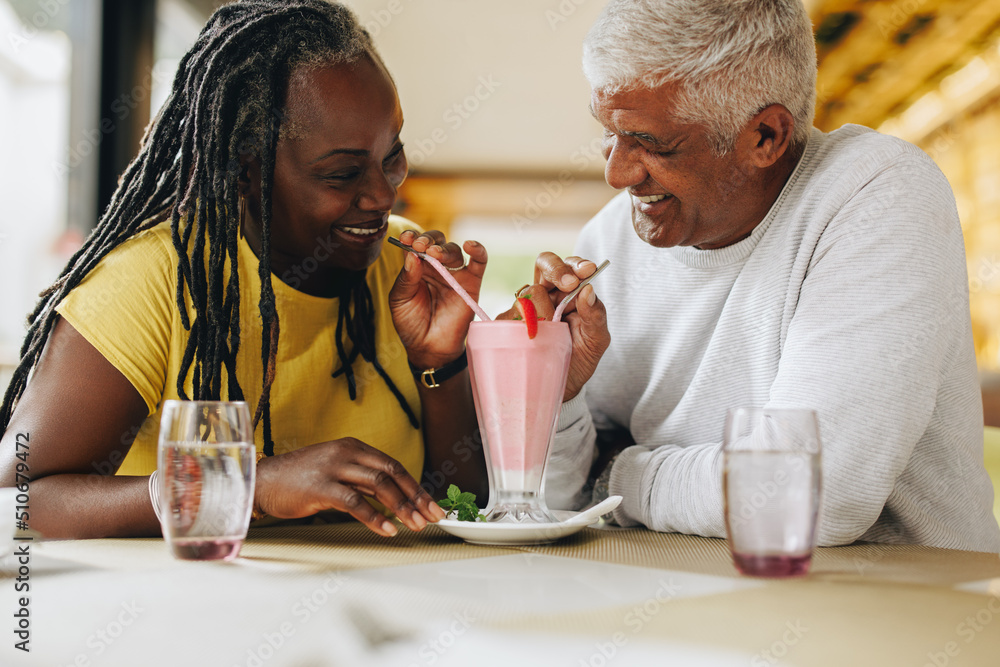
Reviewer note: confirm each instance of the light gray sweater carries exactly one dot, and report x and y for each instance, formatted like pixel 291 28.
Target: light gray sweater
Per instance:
pixel 851 298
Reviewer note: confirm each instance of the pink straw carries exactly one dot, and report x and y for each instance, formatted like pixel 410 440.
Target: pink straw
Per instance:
pixel 450 279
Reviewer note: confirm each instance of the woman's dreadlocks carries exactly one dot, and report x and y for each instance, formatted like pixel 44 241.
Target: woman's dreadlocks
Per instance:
pixel 225 101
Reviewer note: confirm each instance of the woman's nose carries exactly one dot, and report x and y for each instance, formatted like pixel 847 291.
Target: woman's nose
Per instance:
pixel 378 192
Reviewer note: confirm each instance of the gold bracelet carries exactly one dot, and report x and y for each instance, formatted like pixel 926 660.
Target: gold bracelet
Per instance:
pixel 257 514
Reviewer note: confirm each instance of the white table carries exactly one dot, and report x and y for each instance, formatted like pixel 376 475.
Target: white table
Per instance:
pixel 312 596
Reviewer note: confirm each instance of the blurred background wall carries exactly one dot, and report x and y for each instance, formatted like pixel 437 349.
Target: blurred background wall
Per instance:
pixel 501 145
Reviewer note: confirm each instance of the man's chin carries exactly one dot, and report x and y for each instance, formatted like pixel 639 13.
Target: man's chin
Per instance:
pixel 652 232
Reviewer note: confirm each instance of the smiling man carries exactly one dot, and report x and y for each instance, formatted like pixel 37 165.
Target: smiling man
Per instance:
pixel 759 262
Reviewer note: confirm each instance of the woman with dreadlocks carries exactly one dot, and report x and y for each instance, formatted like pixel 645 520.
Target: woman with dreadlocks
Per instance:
pixel 242 258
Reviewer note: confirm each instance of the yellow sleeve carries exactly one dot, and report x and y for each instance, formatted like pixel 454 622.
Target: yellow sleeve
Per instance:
pixel 126 309
pixel 398 224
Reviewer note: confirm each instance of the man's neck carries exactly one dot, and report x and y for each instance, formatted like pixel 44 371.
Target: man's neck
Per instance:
pixel 770 183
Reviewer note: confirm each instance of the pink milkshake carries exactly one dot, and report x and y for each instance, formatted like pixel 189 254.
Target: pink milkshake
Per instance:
pixel 518 384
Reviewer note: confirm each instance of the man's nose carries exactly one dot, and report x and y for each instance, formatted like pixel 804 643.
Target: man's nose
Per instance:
pixel 623 168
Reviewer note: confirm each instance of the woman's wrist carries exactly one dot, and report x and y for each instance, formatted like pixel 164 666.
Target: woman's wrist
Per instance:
pixel 257 511
pixel 432 377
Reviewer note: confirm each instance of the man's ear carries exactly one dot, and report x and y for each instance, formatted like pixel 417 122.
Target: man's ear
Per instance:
pixel 768 135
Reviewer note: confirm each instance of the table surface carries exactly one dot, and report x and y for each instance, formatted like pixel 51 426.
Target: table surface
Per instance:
pixel 336 594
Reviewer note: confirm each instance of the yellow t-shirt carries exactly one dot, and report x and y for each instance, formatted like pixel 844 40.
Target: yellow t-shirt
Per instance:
pixel 126 308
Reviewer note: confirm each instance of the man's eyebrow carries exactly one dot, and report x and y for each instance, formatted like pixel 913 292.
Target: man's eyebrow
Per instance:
pixel 647 137
pixel 644 136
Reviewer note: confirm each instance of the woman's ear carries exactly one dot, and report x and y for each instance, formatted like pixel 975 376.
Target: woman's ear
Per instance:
pixel 249 177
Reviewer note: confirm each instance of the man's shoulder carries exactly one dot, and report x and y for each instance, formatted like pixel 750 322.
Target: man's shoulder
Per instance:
pixel 861 152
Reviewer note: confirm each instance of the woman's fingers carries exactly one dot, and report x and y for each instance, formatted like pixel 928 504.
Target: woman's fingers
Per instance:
pixel 477 258
pixel 386 480
pixel 434 243
pixel 351 501
pixel 342 475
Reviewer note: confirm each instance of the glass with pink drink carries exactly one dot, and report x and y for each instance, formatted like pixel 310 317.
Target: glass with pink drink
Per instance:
pixel 771 484
pixel 518 384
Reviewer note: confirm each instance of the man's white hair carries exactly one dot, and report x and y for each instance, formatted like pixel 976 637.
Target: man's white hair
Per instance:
pixel 729 58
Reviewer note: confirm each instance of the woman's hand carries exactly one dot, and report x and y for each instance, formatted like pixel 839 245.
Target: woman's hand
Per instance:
pixel 340 475
pixel 431 318
pixel 586 315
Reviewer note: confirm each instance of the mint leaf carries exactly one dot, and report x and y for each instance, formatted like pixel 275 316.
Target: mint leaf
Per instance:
pixel 462 505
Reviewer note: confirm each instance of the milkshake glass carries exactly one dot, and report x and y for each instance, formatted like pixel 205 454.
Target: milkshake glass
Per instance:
pixel 518 384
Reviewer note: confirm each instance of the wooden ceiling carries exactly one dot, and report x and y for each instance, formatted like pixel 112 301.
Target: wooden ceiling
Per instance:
pixel 876 57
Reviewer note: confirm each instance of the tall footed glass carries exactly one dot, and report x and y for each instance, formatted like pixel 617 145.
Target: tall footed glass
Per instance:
pixel 518 385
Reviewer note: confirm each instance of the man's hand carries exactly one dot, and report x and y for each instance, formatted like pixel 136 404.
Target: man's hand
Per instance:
pixel 586 315
pixel 341 475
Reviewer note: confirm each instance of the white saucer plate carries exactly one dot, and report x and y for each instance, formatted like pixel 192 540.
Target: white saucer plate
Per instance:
pixel 480 532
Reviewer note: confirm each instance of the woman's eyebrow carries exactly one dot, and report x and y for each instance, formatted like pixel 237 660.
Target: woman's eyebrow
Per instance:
pixel 357 152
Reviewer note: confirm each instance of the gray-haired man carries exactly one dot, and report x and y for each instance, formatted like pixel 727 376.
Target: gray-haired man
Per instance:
pixel 771 265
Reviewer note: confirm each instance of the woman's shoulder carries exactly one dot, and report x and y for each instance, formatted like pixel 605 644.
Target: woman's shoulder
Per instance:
pixel 398 224
pixel 138 274
pixel 126 308
pixel 149 249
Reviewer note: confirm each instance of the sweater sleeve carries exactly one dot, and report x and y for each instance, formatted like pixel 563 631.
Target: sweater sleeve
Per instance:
pixel 573 452
pixel 882 309
pixel 574 447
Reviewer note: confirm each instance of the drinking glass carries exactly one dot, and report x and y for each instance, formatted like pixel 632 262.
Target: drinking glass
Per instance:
pixel 771 485
pixel 207 471
pixel 518 385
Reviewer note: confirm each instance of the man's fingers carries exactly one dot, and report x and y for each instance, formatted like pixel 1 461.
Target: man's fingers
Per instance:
pixel 544 307
pixel 563 274
pixel 581 267
pixel 591 308
pixel 552 271
pixel 588 327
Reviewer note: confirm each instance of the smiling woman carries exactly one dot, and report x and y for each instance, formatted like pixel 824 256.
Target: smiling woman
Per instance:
pixel 337 168
pixel 241 259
